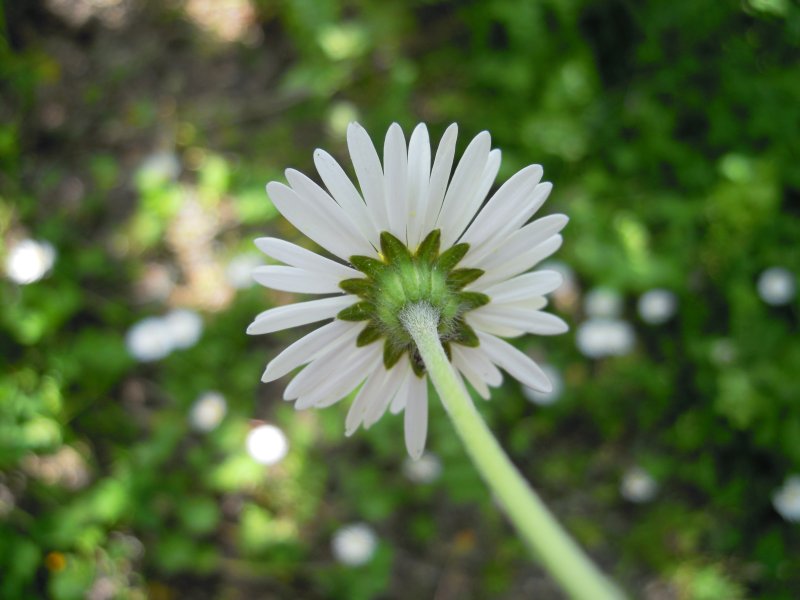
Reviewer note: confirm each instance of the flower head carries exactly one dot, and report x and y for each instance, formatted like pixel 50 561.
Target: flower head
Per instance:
pixel 786 499
pixel 413 234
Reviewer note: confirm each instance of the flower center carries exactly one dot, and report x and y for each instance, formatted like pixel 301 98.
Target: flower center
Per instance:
pixel 401 278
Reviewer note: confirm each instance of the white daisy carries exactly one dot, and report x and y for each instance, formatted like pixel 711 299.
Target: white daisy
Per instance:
pixel 413 234
pixel 786 499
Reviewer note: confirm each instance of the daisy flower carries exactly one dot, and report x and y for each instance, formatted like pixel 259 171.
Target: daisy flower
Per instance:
pixel 415 230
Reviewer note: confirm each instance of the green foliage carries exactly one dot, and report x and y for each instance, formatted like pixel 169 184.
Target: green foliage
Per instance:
pixel 139 148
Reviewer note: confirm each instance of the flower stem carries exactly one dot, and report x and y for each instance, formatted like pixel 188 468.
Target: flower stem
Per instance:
pixel 553 546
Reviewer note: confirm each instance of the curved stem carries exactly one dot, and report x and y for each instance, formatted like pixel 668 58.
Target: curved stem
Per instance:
pixel 553 546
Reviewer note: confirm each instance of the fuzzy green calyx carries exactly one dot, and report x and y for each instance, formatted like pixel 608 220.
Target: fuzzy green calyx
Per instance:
pixel 403 278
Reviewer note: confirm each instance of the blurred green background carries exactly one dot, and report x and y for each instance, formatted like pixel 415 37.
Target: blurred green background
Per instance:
pixel 141 457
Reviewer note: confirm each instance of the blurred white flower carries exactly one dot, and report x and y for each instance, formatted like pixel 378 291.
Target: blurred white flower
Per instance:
pixel 183 327
pixel 426 469
pixel 354 545
pixel 148 340
pixel 597 338
pixel 638 485
pixel 657 306
pixel 777 286
pixel 267 444
pixel 239 271
pixel 546 398
pixel 786 499
pixel 159 167
pixel 208 411
pixel 29 260
pixel 602 302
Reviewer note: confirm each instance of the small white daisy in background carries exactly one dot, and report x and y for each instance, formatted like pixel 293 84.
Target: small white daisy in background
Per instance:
pixel 602 302
pixel 777 286
pixel 426 469
pixel 546 398
pixel 417 232
pixel 354 545
pixel 159 167
pixel 148 340
pixel 28 261
pixel 598 338
pixel 239 271
pixel 154 338
pixel 638 486
pixel 208 411
pixel 184 327
pixel 267 444
pixel 657 306
pixel 786 499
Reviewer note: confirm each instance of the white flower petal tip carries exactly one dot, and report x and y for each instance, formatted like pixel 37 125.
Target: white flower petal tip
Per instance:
pixel 408 187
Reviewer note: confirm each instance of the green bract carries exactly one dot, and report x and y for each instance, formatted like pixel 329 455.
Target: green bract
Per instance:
pixel 401 278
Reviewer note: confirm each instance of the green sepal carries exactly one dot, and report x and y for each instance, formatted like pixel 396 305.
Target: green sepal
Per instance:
pixel 371 267
pixel 471 300
pixel 368 335
pixel 429 248
pixel 360 311
pixel 358 286
pixel 391 353
pixel 457 279
pixel 466 336
pixel 451 257
pixel 448 352
pixel 394 250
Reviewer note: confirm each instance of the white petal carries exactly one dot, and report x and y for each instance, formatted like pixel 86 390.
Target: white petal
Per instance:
pixel 481 322
pixel 531 321
pixel 327 362
pixel 458 200
pixel 523 287
pixel 370 392
pixel 401 398
pixel 311 220
pixel 440 175
pixel 520 263
pixel 291 279
pixel 341 380
pixel 498 251
pixel 299 257
pixel 469 372
pixel 345 194
pixel 371 361
pixel 502 205
pixel 397 376
pixel 395 180
pixel 473 200
pixel 419 175
pixel 481 365
pixel 369 173
pixel 416 417
pixel 301 313
pixel 516 363
pixel 306 348
pixel 326 208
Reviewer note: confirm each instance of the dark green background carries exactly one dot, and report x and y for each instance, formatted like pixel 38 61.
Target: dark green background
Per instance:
pixel 670 131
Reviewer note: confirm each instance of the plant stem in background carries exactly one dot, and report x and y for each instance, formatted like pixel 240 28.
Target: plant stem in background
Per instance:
pixel 552 545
